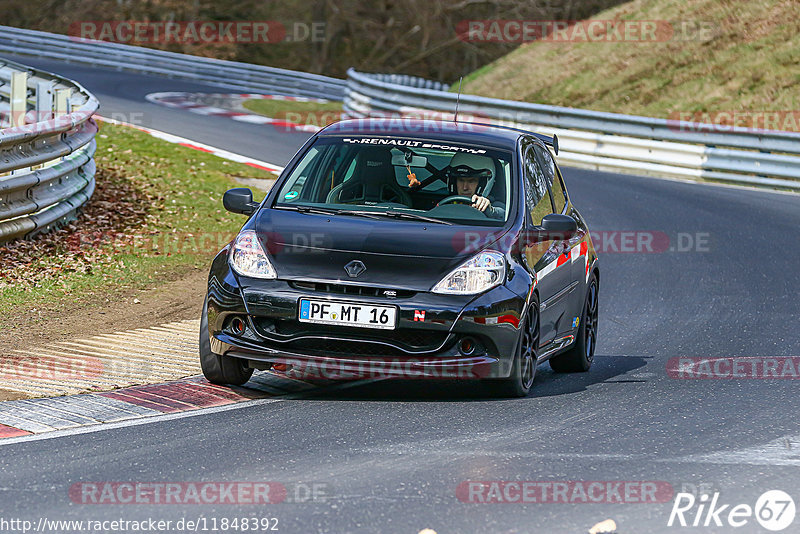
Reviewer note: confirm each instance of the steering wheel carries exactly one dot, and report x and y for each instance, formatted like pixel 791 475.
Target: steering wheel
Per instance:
pixel 456 199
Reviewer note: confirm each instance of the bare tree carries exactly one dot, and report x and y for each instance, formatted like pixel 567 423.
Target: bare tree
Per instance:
pixel 411 36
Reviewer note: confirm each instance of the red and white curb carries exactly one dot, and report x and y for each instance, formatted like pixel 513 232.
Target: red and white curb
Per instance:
pixel 129 360
pixel 189 102
pixel 123 407
pixel 224 154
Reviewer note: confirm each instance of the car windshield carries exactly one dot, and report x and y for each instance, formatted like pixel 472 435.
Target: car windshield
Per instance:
pixel 403 178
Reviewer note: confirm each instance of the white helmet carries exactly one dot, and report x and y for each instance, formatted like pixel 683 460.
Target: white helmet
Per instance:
pixel 469 165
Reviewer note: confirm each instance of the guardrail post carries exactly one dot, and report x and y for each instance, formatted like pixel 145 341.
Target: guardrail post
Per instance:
pixel 44 108
pixel 62 101
pixel 44 101
pixel 63 106
pixel 19 98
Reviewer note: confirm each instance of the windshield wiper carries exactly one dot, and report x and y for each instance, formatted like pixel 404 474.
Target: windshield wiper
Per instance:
pixel 367 214
pixel 310 209
pixel 330 211
pixel 405 215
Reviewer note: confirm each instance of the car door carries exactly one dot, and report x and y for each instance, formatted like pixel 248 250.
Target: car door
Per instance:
pixel 544 256
pixel 574 247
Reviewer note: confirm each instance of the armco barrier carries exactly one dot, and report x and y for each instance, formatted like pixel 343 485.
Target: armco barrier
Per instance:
pixel 597 140
pixel 231 74
pixel 591 139
pixel 46 149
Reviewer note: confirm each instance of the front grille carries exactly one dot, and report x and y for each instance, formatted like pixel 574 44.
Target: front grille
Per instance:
pixel 358 340
pixel 345 348
pixel 410 337
pixel 343 289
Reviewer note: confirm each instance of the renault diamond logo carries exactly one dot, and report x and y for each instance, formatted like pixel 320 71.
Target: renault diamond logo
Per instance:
pixel 355 268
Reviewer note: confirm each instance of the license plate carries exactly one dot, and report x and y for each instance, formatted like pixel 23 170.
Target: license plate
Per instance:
pixel 347 314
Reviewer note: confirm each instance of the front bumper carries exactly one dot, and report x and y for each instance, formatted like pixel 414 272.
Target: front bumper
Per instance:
pixel 417 348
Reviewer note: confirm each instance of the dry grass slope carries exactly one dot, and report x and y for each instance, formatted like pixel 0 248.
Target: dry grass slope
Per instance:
pixel 749 59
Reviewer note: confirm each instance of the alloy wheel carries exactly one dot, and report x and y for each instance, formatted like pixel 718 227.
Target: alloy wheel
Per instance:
pixel 590 326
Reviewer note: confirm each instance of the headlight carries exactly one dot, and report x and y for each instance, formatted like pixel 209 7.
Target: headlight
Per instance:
pixel 248 258
pixel 479 273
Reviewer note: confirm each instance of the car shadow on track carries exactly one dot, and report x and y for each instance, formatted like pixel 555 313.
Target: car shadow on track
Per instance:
pixel 547 384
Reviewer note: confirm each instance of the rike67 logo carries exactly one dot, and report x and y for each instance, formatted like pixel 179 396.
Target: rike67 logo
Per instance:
pixel 774 510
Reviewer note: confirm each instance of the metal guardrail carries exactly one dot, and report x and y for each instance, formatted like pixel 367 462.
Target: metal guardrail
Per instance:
pixel 598 140
pixel 591 139
pixel 411 81
pixel 46 149
pixel 240 76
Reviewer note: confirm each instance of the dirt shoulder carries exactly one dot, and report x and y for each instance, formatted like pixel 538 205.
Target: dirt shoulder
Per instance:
pixel 175 300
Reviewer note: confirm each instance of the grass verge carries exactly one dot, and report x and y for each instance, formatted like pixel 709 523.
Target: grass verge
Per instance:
pixel 284 109
pixel 156 215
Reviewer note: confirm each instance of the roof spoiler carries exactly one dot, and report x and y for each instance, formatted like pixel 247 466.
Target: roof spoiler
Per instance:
pixel 546 139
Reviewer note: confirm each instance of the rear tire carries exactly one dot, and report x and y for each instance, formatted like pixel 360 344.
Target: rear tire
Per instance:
pixel 523 370
pixel 220 369
pixel 579 357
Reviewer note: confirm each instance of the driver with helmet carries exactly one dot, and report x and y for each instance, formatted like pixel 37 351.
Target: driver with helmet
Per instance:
pixel 468 175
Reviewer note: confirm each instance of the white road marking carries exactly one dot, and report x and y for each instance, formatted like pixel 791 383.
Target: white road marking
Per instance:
pixel 135 422
pixel 253 119
pixel 781 451
pixel 208 110
pixel 224 154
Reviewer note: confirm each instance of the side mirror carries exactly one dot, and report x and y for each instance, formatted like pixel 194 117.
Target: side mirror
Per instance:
pixel 558 227
pixel 239 200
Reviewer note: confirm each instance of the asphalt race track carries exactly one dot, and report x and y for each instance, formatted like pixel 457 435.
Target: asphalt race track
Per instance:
pixel 121 96
pixel 390 456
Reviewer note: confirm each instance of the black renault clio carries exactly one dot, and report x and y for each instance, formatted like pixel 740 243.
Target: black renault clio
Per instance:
pixel 407 249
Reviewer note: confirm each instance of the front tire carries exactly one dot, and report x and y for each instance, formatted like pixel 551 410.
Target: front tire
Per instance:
pixel 579 357
pixel 218 369
pixel 523 370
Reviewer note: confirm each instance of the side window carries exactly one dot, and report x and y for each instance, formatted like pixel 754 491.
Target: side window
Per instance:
pixel 553 180
pixel 559 196
pixel 349 172
pixel 536 197
pixel 340 164
pixel 298 188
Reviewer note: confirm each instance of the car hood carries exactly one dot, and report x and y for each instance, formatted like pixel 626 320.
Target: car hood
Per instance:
pixel 401 254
